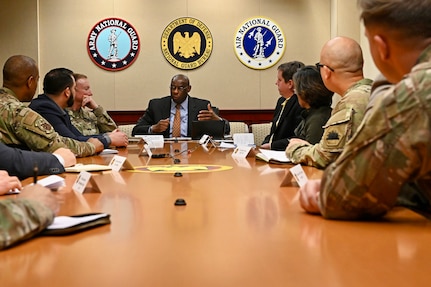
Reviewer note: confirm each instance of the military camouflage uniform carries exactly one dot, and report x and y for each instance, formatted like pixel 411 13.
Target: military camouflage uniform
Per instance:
pixel 388 161
pixel 92 122
pixel 21 219
pixel 22 127
pixel 343 123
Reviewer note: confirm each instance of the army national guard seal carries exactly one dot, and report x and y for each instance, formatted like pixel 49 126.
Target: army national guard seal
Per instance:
pixel 259 43
pixel 186 43
pixel 113 44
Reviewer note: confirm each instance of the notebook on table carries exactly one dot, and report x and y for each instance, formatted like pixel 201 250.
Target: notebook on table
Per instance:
pixel 215 129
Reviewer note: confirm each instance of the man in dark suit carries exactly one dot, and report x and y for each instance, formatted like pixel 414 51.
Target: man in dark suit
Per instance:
pixel 21 163
pixel 287 114
pixel 159 118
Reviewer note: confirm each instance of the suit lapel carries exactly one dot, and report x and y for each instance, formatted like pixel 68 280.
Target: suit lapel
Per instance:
pixel 192 115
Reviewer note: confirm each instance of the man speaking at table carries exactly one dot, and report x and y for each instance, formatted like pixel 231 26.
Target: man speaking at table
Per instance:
pixel 172 115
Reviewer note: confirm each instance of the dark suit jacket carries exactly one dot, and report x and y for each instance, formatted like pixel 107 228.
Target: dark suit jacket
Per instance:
pixel 60 120
pixel 285 129
pixel 20 163
pixel 159 109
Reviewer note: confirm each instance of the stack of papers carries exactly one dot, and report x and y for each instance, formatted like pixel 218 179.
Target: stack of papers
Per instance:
pixel 52 182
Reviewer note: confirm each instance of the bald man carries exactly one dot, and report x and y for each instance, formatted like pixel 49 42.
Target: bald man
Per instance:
pixel 22 127
pixel 340 66
pixel 387 162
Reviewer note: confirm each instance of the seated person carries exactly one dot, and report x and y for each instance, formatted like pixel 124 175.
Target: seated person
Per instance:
pixel 59 88
pixel 341 68
pixel 159 118
pixel 24 217
pixel 22 127
pixel 387 162
pixel 316 100
pixel 21 163
pixel 85 114
pixel 287 113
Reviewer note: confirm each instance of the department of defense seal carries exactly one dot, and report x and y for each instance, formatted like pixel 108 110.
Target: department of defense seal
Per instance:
pixel 113 44
pixel 259 43
pixel 186 43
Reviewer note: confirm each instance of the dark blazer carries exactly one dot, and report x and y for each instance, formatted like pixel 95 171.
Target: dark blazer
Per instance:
pixel 310 128
pixel 285 129
pixel 20 163
pixel 60 120
pixel 159 109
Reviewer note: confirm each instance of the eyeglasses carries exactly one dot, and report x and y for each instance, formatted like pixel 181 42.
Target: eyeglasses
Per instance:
pixel 318 65
pixel 182 88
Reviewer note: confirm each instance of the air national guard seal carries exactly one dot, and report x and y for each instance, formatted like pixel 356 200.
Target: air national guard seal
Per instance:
pixel 259 43
pixel 113 44
pixel 186 43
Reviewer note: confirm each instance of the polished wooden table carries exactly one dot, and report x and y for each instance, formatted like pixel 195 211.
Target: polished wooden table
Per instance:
pixel 239 228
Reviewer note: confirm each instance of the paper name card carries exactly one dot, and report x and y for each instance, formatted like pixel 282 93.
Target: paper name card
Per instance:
pixel 241 151
pixel 82 181
pixel 246 139
pixel 154 141
pixel 299 175
pixel 118 162
pixel 204 140
pixel 145 150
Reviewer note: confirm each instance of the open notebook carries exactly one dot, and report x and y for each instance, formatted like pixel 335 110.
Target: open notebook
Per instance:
pixel 273 156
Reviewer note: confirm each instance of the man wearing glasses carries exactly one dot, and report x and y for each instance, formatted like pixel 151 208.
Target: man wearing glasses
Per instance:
pixel 340 66
pixel 172 115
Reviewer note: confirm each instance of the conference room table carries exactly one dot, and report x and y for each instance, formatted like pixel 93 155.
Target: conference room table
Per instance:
pixel 240 227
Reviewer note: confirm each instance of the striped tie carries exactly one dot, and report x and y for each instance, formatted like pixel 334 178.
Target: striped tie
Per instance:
pixel 176 128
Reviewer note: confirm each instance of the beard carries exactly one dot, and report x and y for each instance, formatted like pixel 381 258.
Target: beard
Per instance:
pixel 70 101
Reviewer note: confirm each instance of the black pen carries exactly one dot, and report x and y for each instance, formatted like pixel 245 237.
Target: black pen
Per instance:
pixel 35 171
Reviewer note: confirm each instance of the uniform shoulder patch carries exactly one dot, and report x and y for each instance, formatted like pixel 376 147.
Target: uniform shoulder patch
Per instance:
pixel 333 136
pixel 33 121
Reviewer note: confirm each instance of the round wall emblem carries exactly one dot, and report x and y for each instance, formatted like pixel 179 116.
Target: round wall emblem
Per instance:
pixel 186 43
pixel 113 44
pixel 259 43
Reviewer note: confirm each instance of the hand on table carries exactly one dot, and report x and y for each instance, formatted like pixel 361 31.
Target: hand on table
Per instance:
pixel 309 196
pixel 8 182
pixel 42 195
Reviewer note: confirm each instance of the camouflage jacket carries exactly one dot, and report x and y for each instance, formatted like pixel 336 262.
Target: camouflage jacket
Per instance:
pixel 21 219
pixel 388 161
pixel 92 122
pixel 22 127
pixel 343 123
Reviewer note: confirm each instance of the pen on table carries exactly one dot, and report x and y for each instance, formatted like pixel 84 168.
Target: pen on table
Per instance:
pixel 35 171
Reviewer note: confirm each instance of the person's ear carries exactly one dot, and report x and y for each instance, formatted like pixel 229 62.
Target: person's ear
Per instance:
pixel 382 47
pixel 189 89
pixel 30 81
pixel 67 92
pixel 325 74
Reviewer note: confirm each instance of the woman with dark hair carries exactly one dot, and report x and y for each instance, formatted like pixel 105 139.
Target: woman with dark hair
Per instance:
pixel 316 99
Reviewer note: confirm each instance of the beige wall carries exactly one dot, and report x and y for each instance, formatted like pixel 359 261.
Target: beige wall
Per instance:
pixel 223 79
pixel 18 31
